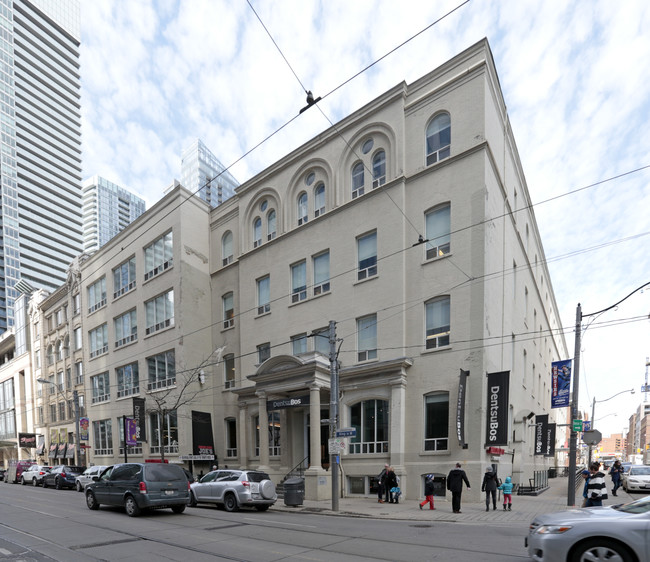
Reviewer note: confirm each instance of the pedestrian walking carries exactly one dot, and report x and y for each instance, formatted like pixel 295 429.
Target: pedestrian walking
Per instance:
pixel 596 489
pixel 428 492
pixel 616 472
pixel 392 483
pixel 455 480
pixel 381 484
pixel 489 486
pixel 585 475
pixel 506 487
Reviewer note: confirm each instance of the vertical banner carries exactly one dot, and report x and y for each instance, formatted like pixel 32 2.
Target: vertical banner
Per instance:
pixel 560 383
pixel 550 440
pixel 84 428
pixel 202 439
pixel 541 435
pixel 460 408
pixel 140 419
pixel 496 427
pixel 130 432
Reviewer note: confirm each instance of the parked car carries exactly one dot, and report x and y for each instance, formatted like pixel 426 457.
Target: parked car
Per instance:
pixel 620 532
pixel 233 489
pixel 87 476
pixel 3 471
pixel 139 486
pixel 190 477
pixel 34 474
pixel 637 479
pixel 62 476
pixel 15 470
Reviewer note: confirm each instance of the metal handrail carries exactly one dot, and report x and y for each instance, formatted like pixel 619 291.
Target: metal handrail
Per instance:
pixel 299 469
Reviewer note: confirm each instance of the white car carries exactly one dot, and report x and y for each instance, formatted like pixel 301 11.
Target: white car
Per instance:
pixel 637 479
pixel 618 533
pixel 87 476
pixel 34 474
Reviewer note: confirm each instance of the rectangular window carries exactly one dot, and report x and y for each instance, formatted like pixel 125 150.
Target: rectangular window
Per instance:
pixel 161 370
pixel 438 323
pixel 164 432
pixel 158 256
pixel 231 438
pixel 76 304
pixel 124 278
pixel 97 295
pixel 77 339
pixel 263 352
pixel 101 388
pixel 159 312
pixel 98 339
pixel 52 412
pixel 322 341
pixel 61 411
pixel 126 328
pixel 228 371
pixel 438 232
pixel 367 338
pixel 436 424
pixel 299 344
pixel 367 252
pixel 103 434
pixel 321 273
pixel 128 380
pixel 59 381
pixel 68 378
pixel 41 419
pixel 79 372
pixel 228 301
pixel 299 281
pixel 264 295
pixel 370 419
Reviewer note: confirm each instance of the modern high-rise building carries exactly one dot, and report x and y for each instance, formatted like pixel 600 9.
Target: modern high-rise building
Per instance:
pixel 40 207
pixel 203 174
pixel 107 209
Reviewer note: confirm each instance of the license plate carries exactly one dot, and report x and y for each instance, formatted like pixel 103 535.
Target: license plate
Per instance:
pixel 170 492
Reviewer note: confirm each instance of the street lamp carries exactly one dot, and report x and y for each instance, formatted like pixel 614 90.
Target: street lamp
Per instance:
pixel 593 411
pixel 75 399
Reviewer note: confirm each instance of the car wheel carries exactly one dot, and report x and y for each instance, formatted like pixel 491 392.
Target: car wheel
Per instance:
pixel 44 483
pixel 267 489
pixel 264 507
pixel 34 482
pixel 132 509
pixel 193 502
pixel 230 502
pixel 57 483
pixel 178 508
pixel 22 481
pixel 91 501
pixel 79 487
pixel 601 549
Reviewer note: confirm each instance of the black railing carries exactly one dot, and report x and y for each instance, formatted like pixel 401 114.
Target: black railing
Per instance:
pixel 297 471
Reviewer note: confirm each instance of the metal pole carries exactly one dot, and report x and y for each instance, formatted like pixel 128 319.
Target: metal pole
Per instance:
pixel 334 413
pixel 593 426
pixel 125 445
pixel 77 437
pixel 573 441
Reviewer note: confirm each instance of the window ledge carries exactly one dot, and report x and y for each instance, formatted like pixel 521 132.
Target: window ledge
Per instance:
pixel 435 453
pixel 258 316
pixel 160 331
pixel 437 258
pixel 229 328
pixel 366 280
pixel 436 350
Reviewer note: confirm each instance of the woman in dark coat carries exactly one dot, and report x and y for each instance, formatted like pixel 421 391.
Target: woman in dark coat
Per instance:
pixel 489 486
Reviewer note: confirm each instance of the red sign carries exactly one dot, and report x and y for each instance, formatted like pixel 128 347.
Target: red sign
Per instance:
pixel 155 460
pixel 495 451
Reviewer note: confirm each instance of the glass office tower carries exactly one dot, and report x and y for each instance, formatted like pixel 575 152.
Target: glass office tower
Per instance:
pixel 40 141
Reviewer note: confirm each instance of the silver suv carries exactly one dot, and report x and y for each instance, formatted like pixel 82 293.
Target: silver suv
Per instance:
pixel 233 489
pixel 34 474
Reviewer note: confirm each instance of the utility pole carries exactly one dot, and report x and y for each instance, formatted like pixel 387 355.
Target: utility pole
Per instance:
pixel 334 413
pixel 75 399
pixel 573 441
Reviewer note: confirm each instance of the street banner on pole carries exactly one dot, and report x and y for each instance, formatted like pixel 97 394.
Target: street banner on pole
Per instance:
pixel 460 408
pixel 131 432
pixel 550 440
pixel 140 419
pixel 541 435
pixel 496 427
pixel 560 383
pixel 84 428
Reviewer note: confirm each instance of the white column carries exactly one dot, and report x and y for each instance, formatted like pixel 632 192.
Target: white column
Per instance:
pixel 242 432
pixel 264 431
pixel 397 423
pixel 314 427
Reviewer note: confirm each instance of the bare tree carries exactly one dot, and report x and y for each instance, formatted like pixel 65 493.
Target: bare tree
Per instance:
pixel 185 391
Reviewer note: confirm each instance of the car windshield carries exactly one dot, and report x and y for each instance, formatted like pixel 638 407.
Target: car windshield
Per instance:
pixel 640 471
pixel 638 506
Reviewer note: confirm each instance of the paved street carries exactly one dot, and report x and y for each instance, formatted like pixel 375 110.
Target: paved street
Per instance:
pixel 43 525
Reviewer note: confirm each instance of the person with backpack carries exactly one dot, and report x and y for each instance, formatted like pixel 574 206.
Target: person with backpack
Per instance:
pixel 428 492
pixel 506 487
pixel 489 486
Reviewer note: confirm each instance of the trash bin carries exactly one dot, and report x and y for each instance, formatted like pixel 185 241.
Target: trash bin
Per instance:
pixel 294 491
pixel 552 473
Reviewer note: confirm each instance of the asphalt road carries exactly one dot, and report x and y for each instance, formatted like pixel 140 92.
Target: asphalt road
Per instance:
pixel 41 525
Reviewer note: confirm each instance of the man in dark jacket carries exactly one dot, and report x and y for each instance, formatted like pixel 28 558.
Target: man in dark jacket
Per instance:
pixel 455 480
pixel 381 484
pixel 489 486
pixel 596 489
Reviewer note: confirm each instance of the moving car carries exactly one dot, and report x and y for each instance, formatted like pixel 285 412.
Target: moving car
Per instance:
pixel 637 479
pixel 620 532
pixel 34 474
pixel 140 486
pixel 87 476
pixel 62 476
pixel 233 489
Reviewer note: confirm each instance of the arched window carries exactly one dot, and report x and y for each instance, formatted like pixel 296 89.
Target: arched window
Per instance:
pixel 226 248
pixel 50 354
pixel 257 232
pixel 319 200
pixel 357 180
pixel 438 138
pixel 59 350
pixel 303 209
pixel 66 346
pixel 379 169
pixel 370 419
pixel 270 225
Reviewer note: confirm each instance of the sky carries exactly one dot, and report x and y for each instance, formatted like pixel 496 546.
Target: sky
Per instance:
pixel 157 74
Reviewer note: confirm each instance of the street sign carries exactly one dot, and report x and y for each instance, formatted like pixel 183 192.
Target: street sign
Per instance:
pixel 586 425
pixel 338 446
pixel 346 432
pixel 592 437
pixel 577 425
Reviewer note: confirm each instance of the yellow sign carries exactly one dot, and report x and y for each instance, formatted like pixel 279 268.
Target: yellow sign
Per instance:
pixel 54 436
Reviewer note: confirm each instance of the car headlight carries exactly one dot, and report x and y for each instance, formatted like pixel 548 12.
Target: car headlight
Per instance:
pixel 553 529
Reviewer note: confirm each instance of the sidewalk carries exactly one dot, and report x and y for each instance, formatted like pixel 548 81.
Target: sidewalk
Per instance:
pixel 524 508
